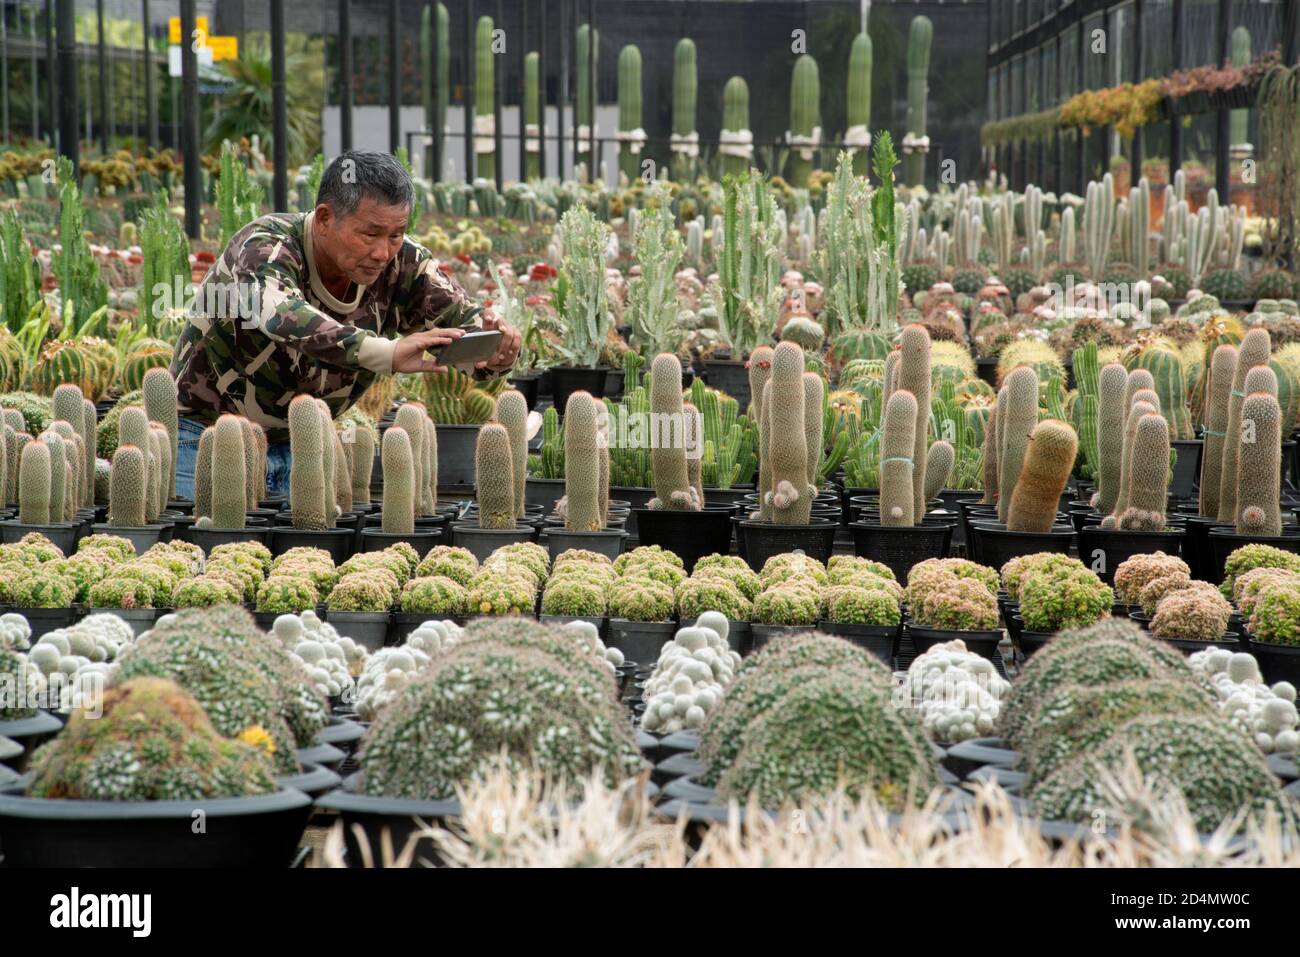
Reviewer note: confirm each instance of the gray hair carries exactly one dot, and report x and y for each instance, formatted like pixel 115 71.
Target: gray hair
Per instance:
pixel 359 173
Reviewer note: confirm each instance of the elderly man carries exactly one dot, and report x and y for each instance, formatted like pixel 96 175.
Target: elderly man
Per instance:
pixel 319 303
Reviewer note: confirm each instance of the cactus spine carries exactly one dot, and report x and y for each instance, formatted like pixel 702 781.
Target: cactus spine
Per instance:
pixel 991 451
pixel 735 121
pixel 1148 479
pixel 484 99
pixel 1111 384
pixel 668 467
pixel 512 412
pixel 1014 431
pixel 1047 463
pixel 307 485
pixel 1254 351
pixel 229 465
pixel 582 464
pixel 34 484
pixel 430 471
pixel 629 111
pixel 685 86
pixel 127 488
pixel 398 463
pixel 363 463
pixel 787 444
pixel 203 475
pixel 160 406
pixel 914 377
pixel 1219 388
pixel 898 444
pixel 805 131
pixel 1259 467
pixel 410 417
pixel 918 91
pixel 496 486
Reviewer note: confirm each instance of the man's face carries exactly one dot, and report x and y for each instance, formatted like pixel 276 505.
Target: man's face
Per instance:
pixel 362 243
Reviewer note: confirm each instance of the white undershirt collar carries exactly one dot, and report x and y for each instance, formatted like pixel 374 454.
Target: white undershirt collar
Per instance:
pixel 318 287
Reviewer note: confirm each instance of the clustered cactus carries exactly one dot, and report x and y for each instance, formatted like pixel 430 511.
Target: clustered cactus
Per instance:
pixel 1134 573
pixel 1253 556
pixel 1063 598
pixel 956 693
pixel 690 677
pixel 1199 614
pixel 1267 714
pixel 953 594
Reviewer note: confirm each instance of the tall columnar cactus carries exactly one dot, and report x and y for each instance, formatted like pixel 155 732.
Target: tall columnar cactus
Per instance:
pixel 229 497
pixel 164 463
pixel 126 488
pixel 586 111
pixel 152 505
pixel 898 445
pixel 916 143
pixel 736 146
pixel 58 472
pixel 1259 466
pixel 160 406
pixel 914 376
pixel 398 463
pixel 685 138
pixel 512 412
pixel 484 99
pixel 1136 410
pixel 430 471
pixel 495 477
pixel 939 461
pixel 1148 479
pixel 814 415
pixel 34 484
pixel 631 135
pixel 410 417
pixel 1139 225
pixel 1047 463
pixel 1170 379
pixel 363 463
pixel 435 60
pixel 68 406
pixel 1014 431
pixel 252 493
pixel 202 474
pixel 327 463
pixel 787 445
pixel 89 418
pixel 1098 224
pixel 760 374
pixel 1223 366
pixel 1254 351
pixel 532 116
pixel 858 102
pixel 582 464
pixel 1066 251
pixel 14 443
pixel 668 466
pixel 307 477
pixel 1201 235
pixel 990 453
pixel 805 119
pixel 1239 119
pixel 342 473
pixel 1111 383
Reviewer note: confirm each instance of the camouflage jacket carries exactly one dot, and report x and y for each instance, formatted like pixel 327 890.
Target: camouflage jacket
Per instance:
pixel 263 327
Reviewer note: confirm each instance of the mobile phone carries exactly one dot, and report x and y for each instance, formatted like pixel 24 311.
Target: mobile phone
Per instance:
pixel 471 348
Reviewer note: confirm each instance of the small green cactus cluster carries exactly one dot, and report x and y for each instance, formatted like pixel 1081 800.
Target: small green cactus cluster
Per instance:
pixel 297 580
pixel 119 591
pixel 638 595
pixel 1271 284
pixel 1016 571
pixel 1156 590
pixel 1255 555
pixel 1275 613
pixel 953 594
pixel 206 591
pixel 371 581
pixel 151 741
pixel 242 678
pixel 1063 598
pixel 711 589
pixel 579 587
pixel 793 602
pixel 286 594
pixel 1248 587
pixel 458 564
pixel 509 581
pixel 1225 285
pixel 855 605
pixel 1135 573
pixel 728 569
pixel 510 690
pixel 829 702
pixel 434 595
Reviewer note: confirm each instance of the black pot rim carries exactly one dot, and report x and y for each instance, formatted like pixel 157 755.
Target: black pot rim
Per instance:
pixel 62 809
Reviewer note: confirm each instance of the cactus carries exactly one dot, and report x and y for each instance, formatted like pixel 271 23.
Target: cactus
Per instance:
pixel 484 99
pixel 1014 432
pixel 1098 223
pixel 805 119
pixel 668 453
pixel 918 90
pixel 34 484
pixel 164 464
pixel 585 109
pixel 1134 415
pixel 685 86
pixel 307 476
pixel 787 444
pixel 582 464
pixel 1259 467
pixel 1170 382
pixel 160 406
pixel 898 445
pixel 496 486
pixel 1254 351
pixel 127 488
pixel 202 475
pixel 914 377
pixel 1219 388
pixel 512 412
pixel 735 124
pixel 858 100
pixel 532 116
pixel 430 471
pixel 229 466
pixel 68 406
pixel 342 473
pixel 363 463
pixel 991 450
pixel 629 111
pixel 1139 206
pixel 1148 478
pixel 938 467
pixel 58 473
pixel 398 463
pixel 1111 384
pixel 1047 463
pixel 89 418
pixel 252 492
pixel 814 399
pixel 410 417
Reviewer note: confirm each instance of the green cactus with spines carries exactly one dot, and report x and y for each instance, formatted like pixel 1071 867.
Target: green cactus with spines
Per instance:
pixel 814 399
pixel 363 462
pixel 629 108
pixel 685 84
pixel 532 112
pixel 585 111
pixel 898 446
pixel 202 475
pixel 1255 350
pixel 67 407
pixel 914 377
pixel 229 467
pixel 1047 464
pixel 58 473
pixel 34 484
pixel 858 100
pixel 252 491
pixel 668 464
pixel 582 477
pixel 410 416
pixel 1166 367
pixel 1148 478
pixel 1014 431
pixel 787 442
pixel 1218 396
pixel 160 399
pixel 495 477
pixel 1259 467
pixel 307 476
pixel 735 118
pixel 805 116
pixel 342 472
pixel 918 90
pixel 1087 375
pixel 512 412
pixel 398 463
pixel 484 90
pixel 1288 393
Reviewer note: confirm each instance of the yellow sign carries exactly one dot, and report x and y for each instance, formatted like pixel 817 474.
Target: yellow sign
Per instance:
pixel 174 29
pixel 224 48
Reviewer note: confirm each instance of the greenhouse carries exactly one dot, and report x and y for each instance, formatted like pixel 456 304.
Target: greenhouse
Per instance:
pixel 723 433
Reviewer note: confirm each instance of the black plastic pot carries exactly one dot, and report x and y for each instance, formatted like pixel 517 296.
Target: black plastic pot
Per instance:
pixel 1189 646
pixel 44 620
pixel 63 534
pixel 900 546
pixel 29 733
pixel 1196 544
pixel 527 385
pixel 983 643
pixel 1225 541
pixel 1103 550
pixel 209 538
pixel 1276 662
pixel 1140 619
pixel 140 619
pixel 369 628
pixel 729 376
pixel 637 497
pixel 313 780
pixel 689 535
pixel 614 382
pixel 260 831
pixel 482 542
pixel 401 624
pixel 991 544
pixel 384 822
pixel 266 619
pixel 880 640
pixel 143 538
pixel 337 541
pixel 376 540
pixel 761 634
pixel 600 623
pixel 1187 466
pixel 987 370
pixel 456 455
pixel 608 542
pixel 1030 641
pixel 762 540
pixel 543 493
pixel 566 380
pixel 640 640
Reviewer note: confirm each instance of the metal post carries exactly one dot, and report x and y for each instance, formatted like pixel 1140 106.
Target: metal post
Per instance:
pixel 1176 122
pixel 564 88
pixel 52 73
pixel 394 80
pixel 541 90
pixel 1082 143
pixel 435 144
pixel 1138 69
pixel 104 132
pixel 69 140
pixel 151 108
pixel 4 71
pixel 468 61
pixel 345 75
pixel 36 88
pixel 1222 159
pixel 523 72
pixel 190 121
pixel 498 81
pixel 279 110
pixel 592 166
pixel 1290 30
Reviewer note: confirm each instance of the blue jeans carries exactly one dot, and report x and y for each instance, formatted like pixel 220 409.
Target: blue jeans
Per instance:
pixel 187 454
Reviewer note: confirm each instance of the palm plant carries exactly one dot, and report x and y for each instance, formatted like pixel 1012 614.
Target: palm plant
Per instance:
pixel 246 104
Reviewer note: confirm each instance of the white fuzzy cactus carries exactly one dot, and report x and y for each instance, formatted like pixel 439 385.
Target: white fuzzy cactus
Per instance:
pixel 590 635
pixel 15 632
pixel 331 660
pixel 387 672
pixel 690 677
pixel 434 637
pixel 956 693
pixel 1267 714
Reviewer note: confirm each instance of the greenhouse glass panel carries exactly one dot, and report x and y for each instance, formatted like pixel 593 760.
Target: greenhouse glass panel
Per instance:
pixel 1200 32
pixel 1157 23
